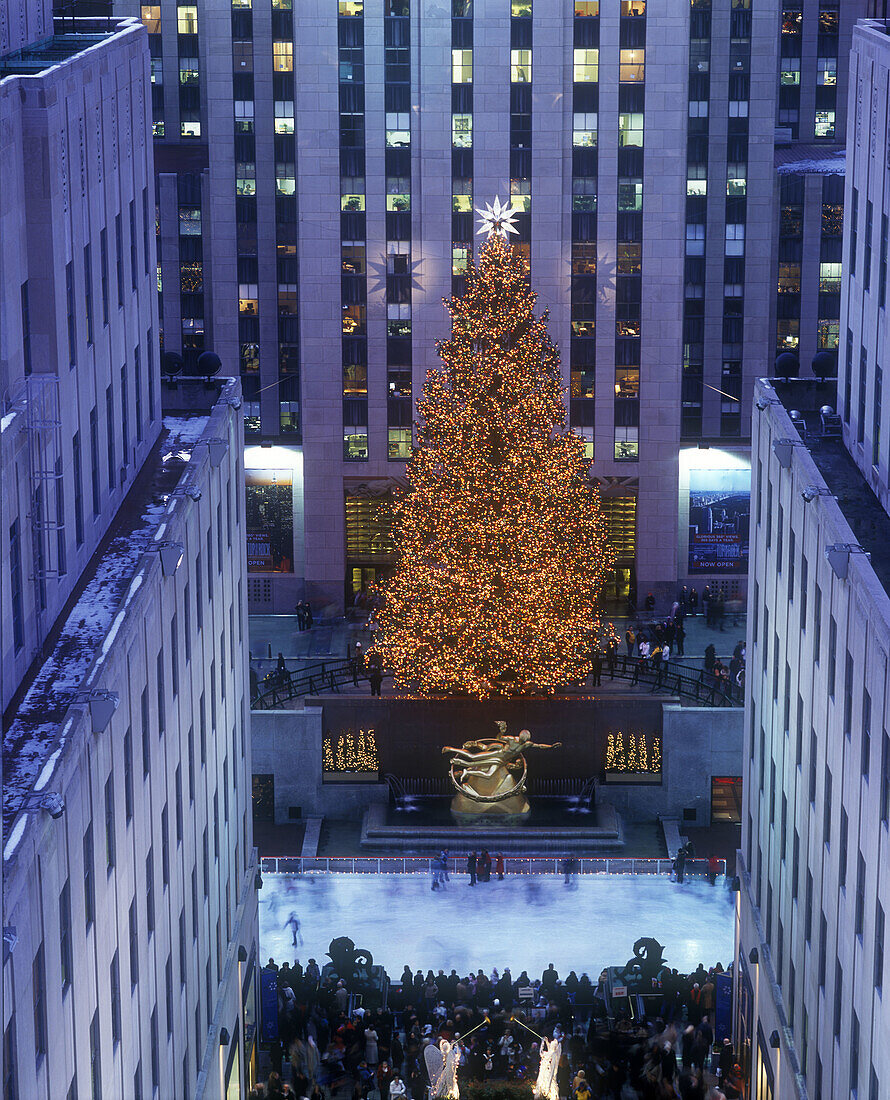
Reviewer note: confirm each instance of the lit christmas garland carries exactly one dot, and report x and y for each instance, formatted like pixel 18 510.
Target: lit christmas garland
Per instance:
pixel 501 550
pixel 351 751
pixel 635 753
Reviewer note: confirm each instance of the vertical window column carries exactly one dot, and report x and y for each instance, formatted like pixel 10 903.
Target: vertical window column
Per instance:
pixel 353 279
pixel 585 130
pixel 628 281
pixel 461 142
pixel 697 135
pixel 397 93
pixel 289 423
pixel 521 121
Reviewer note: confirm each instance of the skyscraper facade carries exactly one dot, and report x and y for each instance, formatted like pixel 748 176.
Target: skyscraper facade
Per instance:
pixel 318 171
pixel 129 875
pixel 811 1016
pixel 814 47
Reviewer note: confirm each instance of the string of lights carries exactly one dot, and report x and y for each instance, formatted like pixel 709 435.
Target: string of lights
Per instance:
pixel 633 753
pixel 350 751
pixel 501 551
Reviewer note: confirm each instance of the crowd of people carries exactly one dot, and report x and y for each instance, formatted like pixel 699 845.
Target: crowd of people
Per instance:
pixel 338 1050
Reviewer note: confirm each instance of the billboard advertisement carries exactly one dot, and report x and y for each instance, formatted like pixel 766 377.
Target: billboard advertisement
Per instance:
pixel 719 513
pixel 270 521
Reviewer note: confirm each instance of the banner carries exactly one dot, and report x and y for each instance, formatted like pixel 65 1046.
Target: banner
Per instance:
pixel 723 1006
pixel 719 512
pixel 270 521
pixel 268 1005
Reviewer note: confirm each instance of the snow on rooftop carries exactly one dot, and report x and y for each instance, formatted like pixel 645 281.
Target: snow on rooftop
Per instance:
pixel 34 736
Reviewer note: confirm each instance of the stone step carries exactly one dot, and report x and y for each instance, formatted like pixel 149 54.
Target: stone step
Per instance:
pixel 606 833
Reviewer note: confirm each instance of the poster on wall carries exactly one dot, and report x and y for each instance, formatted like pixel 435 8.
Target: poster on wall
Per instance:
pixel 270 521
pixel 719 512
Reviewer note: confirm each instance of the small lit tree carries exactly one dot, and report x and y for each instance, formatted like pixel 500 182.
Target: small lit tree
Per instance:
pixel 501 551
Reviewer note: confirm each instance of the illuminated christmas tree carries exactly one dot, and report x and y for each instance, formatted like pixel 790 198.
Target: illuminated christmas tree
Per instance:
pixel 500 542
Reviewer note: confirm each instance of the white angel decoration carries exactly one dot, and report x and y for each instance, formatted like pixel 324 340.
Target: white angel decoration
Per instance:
pixel 441 1065
pixel 546 1087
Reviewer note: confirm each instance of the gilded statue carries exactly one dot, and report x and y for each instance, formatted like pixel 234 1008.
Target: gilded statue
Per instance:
pixel 489 775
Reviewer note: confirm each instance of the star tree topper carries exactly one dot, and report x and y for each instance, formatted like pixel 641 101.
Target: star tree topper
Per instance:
pixel 497 219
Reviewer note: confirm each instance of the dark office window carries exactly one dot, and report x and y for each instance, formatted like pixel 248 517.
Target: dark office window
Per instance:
pixel 860 895
pixel 145 240
pixel 119 246
pixel 865 754
pixel 150 891
pixel 826 809
pixel 95 1059
pixel 832 654
pixel 854 1050
pixel 89 889
pixel 10 1083
pixel 838 997
pixel 162 705
pixel 199 608
pixel 812 764
pixel 146 744
pixel 15 579
pixel 88 290
pixel 808 908
pixel 137 385
pixel 885 777
pixel 804 569
pixel 823 949
pixel 134 944
pixel 128 774
pixel 151 376
pixel 817 624
pixel 125 421
pixel 842 848
pixel 94 458
pixel 65 954
pixel 103 272
pixel 174 655
pixel 109 823
pixel 115 982
pixel 879 949
pixel 165 846
pixel 155 1050
pixel 71 308
pixel 78 490
pixel 848 694
pixel 168 991
pixel 38 975
pixel 134 251
pixel 26 327
pixel 191 763
pixel 109 428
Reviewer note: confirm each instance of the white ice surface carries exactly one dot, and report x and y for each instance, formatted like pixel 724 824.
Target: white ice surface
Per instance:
pixel 524 922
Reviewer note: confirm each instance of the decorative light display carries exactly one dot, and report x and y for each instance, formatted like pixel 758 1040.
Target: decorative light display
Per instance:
pixel 497 220
pixel 350 751
pixel 633 752
pixel 501 549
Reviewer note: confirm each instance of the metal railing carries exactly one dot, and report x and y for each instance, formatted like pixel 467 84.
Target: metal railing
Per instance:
pixel 457 865
pixel 695 685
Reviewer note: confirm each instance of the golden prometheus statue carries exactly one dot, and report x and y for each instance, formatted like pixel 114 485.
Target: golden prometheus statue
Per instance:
pixel 489 777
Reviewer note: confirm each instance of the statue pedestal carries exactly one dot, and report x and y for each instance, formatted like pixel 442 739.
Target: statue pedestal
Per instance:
pixel 510 811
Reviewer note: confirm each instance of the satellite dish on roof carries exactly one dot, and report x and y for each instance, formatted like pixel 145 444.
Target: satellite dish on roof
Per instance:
pixel 209 364
pixel 825 365
pixel 787 365
pixel 171 364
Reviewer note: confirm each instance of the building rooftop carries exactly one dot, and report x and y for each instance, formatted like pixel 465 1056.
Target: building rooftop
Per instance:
pixel 72 37
pixel 36 724
pixel 810 159
pixel 861 508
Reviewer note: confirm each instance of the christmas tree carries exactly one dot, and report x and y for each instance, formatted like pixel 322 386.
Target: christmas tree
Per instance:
pixel 500 542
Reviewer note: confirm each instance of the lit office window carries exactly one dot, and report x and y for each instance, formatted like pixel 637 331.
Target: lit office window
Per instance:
pixel 631 65
pixel 520 66
pixel 187 19
pixel 586 66
pixel 461 66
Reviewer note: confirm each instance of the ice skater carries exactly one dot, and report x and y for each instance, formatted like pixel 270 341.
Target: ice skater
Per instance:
pixel 293 921
pixel 471 868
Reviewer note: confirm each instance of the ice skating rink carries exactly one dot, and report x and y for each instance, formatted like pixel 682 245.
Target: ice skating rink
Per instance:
pixel 524 922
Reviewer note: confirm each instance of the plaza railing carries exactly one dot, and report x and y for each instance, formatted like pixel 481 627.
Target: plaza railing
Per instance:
pixel 693 685
pixel 457 865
